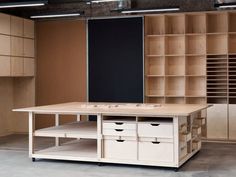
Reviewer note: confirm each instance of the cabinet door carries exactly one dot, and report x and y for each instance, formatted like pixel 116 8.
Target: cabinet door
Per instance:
pixel 5 45
pixel 29 67
pixel 4 24
pixel 5 66
pixel 17 46
pixel 28 48
pixel 217 121
pixel 28 28
pixel 232 121
pixel 17 66
pixel 16 26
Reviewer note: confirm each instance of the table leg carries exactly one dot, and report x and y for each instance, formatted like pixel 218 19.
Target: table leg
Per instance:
pixel 99 136
pixel 31 134
pixel 57 123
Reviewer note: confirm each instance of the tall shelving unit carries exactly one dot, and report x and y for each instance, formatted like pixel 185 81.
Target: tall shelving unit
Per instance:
pixel 198 59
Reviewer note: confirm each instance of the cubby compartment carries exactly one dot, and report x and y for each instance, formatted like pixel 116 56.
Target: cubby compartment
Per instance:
pixel 175 24
pixel 155 45
pixel 175 100
pixel 217 22
pixel 217 44
pixel 155 86
pixel 155 25
pixel 195 66
pixel 196 86
pixel 196 44
pixel 155 66
pixel 232 44
pixel 175 45
pixel 197 100
pixel 232 22
pixel 160 100
pixel 195 23
pixel 175 66
pixel 175 86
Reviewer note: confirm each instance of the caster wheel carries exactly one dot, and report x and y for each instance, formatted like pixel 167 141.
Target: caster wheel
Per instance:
pixel 100 164
pixel 33 159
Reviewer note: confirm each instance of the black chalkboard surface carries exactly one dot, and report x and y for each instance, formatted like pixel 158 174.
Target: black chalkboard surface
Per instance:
pixel 115 60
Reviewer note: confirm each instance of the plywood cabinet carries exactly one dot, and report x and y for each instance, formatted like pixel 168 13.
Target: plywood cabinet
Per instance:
pixel 29 48
pixel 5 65
pixel 217 121
pixel 17 46
pixel 17 26
pixel 5 24
pixel 17 49
pixel 28 28
pixel 5 45
pixel 17 66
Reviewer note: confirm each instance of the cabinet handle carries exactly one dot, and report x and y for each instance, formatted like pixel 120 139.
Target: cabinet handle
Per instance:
pixel 155 125
pixel 119 130
pixel 119 123
pixel 154 142
pixel 120 141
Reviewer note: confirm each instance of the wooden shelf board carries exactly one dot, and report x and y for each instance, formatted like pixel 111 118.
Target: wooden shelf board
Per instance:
pixel 156 96
pixel 195 34
pixel 195 75
pixel 193 55
pixel 155 35
pixel 196 96
pixel 80 148
pixel 155 55
pixel 72 130
pixel 218 33
pixel 153 75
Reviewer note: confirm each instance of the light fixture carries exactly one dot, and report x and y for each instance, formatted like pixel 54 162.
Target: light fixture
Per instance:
pixel 56 15
pixel 98 1
pixel 130 11
pixel 23 4
pixel 225 5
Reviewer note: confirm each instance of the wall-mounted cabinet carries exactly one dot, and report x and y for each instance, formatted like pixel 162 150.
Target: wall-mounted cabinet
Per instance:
pixel 17 49
pixel 5 66
pixel 5 24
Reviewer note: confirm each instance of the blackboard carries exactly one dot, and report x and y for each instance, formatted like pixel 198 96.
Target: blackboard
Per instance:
pixel 115 60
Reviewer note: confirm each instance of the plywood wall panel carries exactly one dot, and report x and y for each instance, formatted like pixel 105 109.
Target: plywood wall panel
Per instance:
pixel 61 63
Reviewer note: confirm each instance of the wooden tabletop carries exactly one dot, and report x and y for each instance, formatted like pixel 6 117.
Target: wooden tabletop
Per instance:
pixel 117 109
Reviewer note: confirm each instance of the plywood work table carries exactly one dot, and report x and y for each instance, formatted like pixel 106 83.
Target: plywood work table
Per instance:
pixel 142 134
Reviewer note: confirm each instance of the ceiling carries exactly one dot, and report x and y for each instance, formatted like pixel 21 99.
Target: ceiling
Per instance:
pixel 104 9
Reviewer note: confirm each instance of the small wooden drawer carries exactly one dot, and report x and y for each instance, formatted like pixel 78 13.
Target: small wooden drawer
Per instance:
pixel 156 151
pixel 119 132
pixel 185 137
pixel 197 130
pixel 159 130
pixel 120 149
pixel 183 152
pixel 196 145
pixel 119 125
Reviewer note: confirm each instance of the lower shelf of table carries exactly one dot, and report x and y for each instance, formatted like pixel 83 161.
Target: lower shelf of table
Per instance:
pixel 80 150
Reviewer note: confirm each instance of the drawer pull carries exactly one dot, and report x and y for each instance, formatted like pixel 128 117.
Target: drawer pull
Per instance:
pixel 119 123
pixel 119 130
pixel 120 141
pixel 155 142
pixel 155 125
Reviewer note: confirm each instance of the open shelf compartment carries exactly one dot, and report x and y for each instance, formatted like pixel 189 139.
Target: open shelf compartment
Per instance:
pixel 155 25
pixel 195 23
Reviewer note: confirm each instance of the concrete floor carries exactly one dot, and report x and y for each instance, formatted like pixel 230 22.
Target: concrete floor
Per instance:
pixel 214 160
